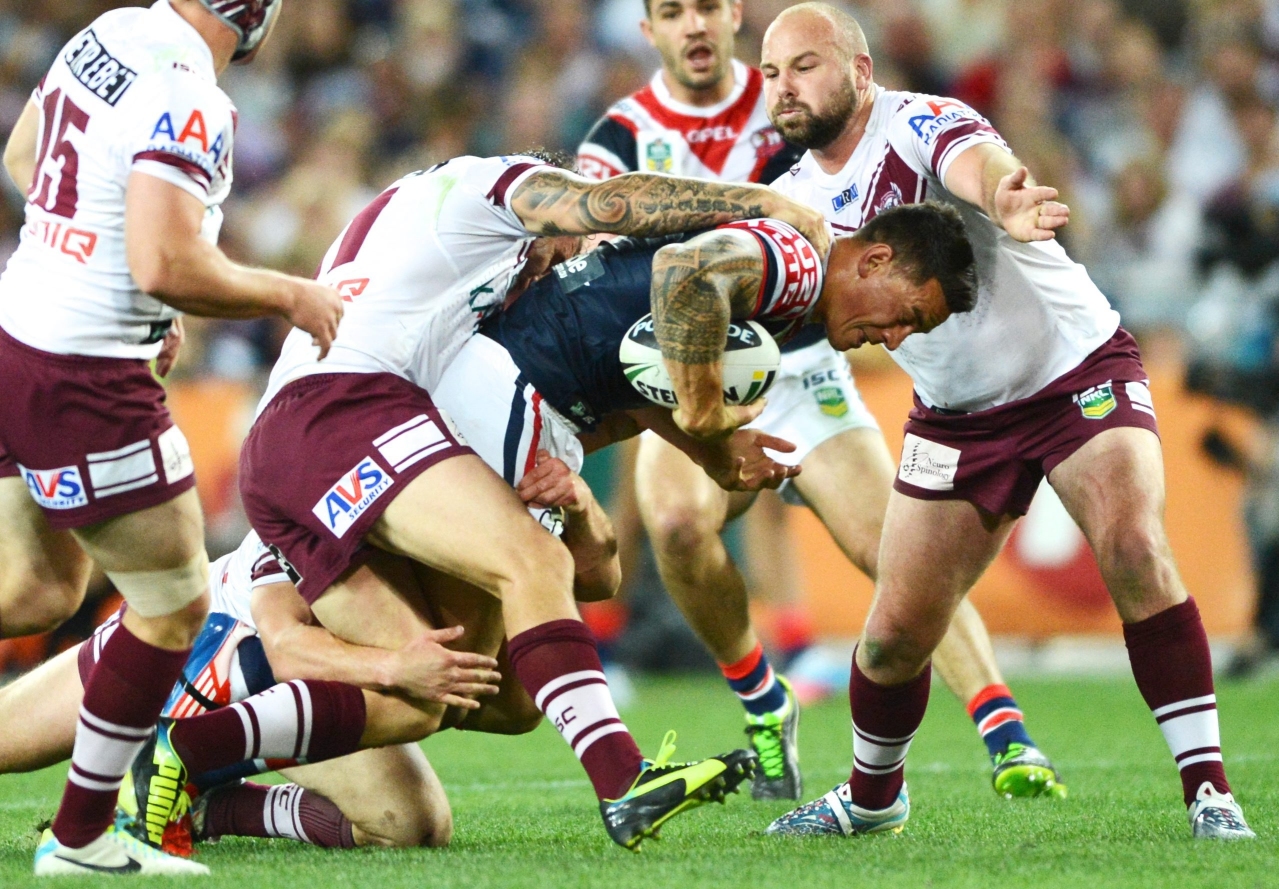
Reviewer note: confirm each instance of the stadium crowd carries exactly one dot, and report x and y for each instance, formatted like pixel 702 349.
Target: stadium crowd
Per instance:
pixel 1155 118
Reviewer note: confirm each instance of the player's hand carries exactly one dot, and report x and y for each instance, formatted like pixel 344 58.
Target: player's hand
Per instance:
pixel 169 348
pixel 317 309
pixel 740 463
pixel 719 420
pixel 810 223
pixel 427 671
pixel 1028 212
pixel 551 483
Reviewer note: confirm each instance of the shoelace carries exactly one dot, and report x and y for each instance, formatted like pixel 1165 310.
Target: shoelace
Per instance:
pixel 767 741
pixel 665 751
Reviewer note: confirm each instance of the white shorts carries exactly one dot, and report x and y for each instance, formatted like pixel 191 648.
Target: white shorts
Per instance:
pixel 502 417
pixel 813 399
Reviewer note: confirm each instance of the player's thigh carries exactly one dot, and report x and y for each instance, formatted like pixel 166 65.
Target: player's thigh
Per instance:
pixel 167 535
pixel 38 714
pixel 460 517
pixel 846 481
pixel 931 554
pixel 678 502
pixel 391 795
pixel 43 572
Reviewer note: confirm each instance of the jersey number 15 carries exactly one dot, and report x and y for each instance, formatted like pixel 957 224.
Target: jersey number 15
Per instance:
pixel 66 114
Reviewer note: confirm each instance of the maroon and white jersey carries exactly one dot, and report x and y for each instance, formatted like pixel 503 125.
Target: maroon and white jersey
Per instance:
pixel 136 91
pixel 234 577
pixel 1038 314
pixel 419 268
pixel 651 132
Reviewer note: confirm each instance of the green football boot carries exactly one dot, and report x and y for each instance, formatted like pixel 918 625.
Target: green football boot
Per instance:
pixel 775 740
pixel 663 789
pixel 1022 771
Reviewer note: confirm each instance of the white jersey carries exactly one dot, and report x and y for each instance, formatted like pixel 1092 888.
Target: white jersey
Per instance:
pixel 420 267
pixel 1038 314
pixel 136 91
pixel 234 577
pixel 649 131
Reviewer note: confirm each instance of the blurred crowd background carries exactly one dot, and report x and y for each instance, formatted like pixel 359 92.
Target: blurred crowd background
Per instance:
pixel 1155 118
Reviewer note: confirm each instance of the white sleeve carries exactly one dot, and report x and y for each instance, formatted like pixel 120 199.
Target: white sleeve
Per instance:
pixel 496 179
pixel 929 132
pixel 180 130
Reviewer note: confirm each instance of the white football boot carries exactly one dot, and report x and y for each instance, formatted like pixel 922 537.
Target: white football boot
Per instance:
pixel 115 852
pixel 1216 816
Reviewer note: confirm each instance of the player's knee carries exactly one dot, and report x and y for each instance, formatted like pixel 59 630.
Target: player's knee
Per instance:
pixel 30 604
pixel 1133 551
pixel 429 823
pixel 681 532
pixel 538 561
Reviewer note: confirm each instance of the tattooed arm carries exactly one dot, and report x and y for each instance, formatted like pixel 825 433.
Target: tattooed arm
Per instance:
pixel 698 287
pixel 556 202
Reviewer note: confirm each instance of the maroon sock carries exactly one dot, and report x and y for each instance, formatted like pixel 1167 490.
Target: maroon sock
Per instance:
pixel 560 669
pixel 295 722
pixel 885 719
pixel 122 701
pixel 1173 668
pixel 283 810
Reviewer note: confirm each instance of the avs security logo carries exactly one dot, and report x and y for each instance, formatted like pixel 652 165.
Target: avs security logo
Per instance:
pixel 347 500
pixel 1096 402
pixel 927 464
pixel 56 488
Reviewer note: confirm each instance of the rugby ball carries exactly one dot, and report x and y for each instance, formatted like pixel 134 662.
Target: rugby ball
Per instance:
pixel 751 358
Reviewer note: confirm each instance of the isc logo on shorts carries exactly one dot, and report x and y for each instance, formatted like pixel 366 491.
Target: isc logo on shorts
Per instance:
pixel 347 500
pixel 56 488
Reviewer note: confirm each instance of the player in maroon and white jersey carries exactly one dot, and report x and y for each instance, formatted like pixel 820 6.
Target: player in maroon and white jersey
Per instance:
pixel 704 114
pixel 1037 381
pixel 124 153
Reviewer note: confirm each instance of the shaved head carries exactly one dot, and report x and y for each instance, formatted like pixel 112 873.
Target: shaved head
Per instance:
pixel 840 28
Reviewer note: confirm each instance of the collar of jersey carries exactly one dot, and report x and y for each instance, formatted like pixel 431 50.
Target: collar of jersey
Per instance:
pixel 188 35
pixel 740 75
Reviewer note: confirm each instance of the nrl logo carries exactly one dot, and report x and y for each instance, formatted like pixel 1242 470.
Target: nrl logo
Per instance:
pixel 1096 402
pixel 658 156
pixel 831 401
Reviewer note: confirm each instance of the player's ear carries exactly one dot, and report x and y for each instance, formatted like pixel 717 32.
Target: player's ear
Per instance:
pixel 737 14
pixel 646 28
pixel 875 259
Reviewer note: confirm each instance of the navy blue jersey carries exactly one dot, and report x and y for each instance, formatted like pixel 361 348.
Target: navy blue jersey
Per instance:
pixel 564 332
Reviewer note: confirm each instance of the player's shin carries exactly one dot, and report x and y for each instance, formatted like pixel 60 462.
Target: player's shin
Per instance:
pixel 1173 668
pixel 885 719
pixel 559 666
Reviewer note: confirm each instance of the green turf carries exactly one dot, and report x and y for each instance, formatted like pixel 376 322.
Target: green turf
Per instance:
pixel 525 816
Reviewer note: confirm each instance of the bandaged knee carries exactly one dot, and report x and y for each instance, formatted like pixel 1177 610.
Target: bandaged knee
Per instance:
pixel 158 593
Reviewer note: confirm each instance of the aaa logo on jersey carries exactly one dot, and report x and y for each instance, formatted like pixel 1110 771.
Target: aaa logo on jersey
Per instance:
pixel 56 488
pixel 831 401
pixel 1096 402
pixel 657 156
pixel 347 500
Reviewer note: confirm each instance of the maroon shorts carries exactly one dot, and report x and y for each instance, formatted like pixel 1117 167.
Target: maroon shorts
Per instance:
pixel 996 458
pixel 91 437
pixel 326 457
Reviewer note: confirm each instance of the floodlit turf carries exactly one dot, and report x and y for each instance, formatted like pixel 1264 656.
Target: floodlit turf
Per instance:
pixel 525 816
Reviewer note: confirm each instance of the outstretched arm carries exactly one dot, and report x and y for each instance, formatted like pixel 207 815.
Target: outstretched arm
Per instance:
pixel 698 287
pixel 994 180
pixel 557 202
pixel 738 462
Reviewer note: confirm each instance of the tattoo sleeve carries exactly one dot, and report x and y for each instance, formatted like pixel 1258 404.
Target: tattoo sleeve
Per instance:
pixel 698 287
pixel 557 202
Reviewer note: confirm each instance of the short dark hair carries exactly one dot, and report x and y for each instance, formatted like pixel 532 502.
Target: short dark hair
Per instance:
pixel 928 242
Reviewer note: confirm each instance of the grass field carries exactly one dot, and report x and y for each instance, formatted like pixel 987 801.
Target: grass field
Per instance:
pixel 525 815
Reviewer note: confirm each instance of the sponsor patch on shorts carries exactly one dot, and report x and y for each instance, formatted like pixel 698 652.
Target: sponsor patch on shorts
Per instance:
pixel 927 464
pixel 175 455
pixel 1096 402
pixel 1139 396
pixel 61 488
pixel 831 401
pixel 347 500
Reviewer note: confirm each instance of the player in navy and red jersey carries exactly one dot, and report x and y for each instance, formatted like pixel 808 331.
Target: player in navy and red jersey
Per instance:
pixel 124 153
pixel 704 114
pixel 1038 382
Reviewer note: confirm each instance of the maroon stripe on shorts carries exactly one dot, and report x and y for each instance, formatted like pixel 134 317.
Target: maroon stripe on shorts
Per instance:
pixel 497 194
pixel 358 230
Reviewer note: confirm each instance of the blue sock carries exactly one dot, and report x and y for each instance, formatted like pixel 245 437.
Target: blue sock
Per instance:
pixel 998 719
pixel 755 683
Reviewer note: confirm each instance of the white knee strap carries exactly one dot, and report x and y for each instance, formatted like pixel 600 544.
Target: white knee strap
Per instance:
pixel 157 593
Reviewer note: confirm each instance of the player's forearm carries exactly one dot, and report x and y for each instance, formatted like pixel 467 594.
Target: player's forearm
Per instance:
pixel 310 652
pixel 642 204
pixel 198 278
pixel 589 536
pixel 974 176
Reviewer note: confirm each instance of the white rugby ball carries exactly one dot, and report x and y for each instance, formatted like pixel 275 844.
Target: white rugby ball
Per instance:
pixel 751 359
